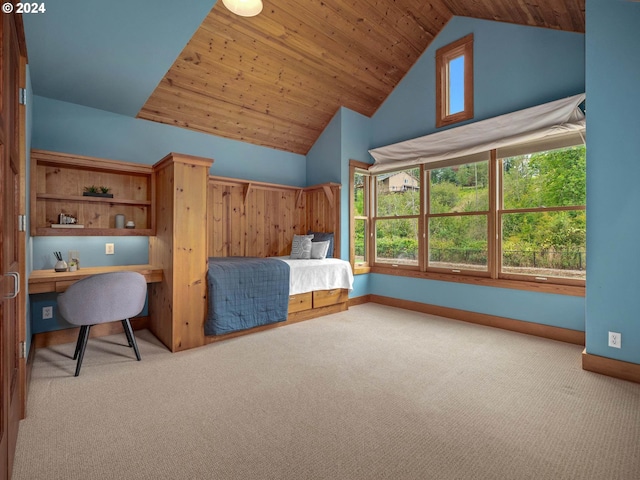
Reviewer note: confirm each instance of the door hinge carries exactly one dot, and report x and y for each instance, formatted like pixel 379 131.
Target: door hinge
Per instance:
pixel 23 349
pixel 23 96
pixel 22 223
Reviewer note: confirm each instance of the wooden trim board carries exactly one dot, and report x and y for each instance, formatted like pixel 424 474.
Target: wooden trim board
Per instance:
pixel 611 367
pixel 554 333
pixel 359 300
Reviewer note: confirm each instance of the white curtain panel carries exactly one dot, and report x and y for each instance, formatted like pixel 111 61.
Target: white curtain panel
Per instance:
pixel 534 129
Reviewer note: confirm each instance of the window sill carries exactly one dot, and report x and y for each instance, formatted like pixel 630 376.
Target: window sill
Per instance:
pixel 532 286
pixel 361 270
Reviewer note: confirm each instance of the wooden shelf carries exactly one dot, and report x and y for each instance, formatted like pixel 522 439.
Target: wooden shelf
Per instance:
pixel 76 198
pixel 93 232
pixel 59 179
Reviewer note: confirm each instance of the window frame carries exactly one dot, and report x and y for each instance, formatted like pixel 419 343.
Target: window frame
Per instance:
pixel 444 56
pixel 376 218
pixel 488 213
pixel 494 277
pixel 362 169
pixel 501 211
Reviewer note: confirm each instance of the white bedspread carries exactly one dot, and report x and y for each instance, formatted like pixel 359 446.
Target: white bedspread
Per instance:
pixel 309 275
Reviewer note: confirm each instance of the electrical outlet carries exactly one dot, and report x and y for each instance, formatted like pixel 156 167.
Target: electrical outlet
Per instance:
pixel 47 313
pixel 615 340
pixel 109 249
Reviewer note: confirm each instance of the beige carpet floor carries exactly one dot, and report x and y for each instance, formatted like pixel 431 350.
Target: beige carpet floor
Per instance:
pixel 371 393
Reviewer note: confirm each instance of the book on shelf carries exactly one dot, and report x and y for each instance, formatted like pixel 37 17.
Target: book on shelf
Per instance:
pixel 66 225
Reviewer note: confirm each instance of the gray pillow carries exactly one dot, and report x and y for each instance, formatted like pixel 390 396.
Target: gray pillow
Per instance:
pixel 322 237
pixel 301 246
pixel 319 249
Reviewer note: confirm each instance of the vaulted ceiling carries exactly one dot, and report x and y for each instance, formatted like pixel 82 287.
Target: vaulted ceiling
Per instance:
pixel 274 80
pixel 277 79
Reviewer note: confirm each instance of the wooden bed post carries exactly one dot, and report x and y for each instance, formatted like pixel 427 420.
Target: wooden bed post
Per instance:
pixel 177 305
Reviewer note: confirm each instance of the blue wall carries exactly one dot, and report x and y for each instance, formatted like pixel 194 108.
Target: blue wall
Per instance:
pixel 127 251
pixel 356 141
pixel 514 67
pixel 613 169
pixel 66 127
pixel 348 136
pixel 555 310
pixel 122 43
pixel 323 159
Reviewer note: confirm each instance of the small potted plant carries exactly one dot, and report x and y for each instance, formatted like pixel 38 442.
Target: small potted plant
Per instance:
pixel 94 191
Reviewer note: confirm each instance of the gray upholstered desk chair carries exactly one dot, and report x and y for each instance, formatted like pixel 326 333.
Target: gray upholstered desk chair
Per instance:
pixel 102 298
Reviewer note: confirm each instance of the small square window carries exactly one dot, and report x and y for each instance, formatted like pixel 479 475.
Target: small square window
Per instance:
pixel 454 82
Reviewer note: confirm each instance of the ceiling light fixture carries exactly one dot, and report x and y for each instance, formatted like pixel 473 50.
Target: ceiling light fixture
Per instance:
pixel 244 8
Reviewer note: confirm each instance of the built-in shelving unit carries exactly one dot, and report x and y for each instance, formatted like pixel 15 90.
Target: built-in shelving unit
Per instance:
pixel 58 181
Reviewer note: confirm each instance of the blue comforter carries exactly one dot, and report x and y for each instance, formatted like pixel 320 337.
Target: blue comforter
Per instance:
pixel 245 292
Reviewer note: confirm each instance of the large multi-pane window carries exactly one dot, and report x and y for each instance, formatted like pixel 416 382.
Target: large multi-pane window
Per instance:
pixel 543 216
pixel 513 214
pixel 458 217
pixel 397 217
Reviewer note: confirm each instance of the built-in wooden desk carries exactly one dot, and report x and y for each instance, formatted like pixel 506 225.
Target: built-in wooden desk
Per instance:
pixel 45 281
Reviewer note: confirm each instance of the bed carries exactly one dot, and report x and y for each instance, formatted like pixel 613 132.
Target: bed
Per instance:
pixel 249 292
pixel 199 216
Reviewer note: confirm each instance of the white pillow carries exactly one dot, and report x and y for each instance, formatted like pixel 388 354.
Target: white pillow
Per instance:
pixel 301 246
pixel 319 249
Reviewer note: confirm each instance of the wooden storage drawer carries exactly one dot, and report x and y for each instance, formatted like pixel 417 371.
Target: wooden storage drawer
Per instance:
pixel 323 298
pixel 300 302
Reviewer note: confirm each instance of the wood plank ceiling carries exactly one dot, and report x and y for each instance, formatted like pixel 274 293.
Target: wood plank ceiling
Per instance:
pixel 277 79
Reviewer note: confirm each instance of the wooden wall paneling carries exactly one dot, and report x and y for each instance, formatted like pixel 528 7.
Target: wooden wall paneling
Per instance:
pixel 293 226
pixel 237 220
pixel 285 229
pixel 280 214
pixel 215 224
pixel 226 220
pixel 271 225
pixel 301 210
pixel 259 219
pixel 254 243
pixel 323 211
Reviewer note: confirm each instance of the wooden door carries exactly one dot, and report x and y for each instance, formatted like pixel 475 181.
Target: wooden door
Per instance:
pixel 12 366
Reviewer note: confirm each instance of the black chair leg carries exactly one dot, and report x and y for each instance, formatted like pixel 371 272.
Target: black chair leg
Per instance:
pixel 83 346
pixel 130 337
pixel 126 332
pixel 79 342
